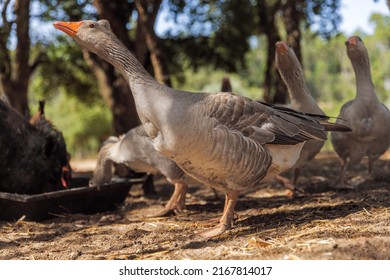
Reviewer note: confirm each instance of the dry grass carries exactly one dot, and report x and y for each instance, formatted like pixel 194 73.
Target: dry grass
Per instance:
pixel 321 224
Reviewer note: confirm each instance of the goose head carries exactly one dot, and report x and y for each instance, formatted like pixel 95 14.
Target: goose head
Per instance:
pixel 286 60
pixel 95 36
pixel 355 47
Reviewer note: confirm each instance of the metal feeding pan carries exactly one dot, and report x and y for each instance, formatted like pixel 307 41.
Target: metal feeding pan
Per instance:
pixel 78 199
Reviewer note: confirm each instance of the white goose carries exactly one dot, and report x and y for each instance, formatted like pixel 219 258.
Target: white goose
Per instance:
pixel 225 141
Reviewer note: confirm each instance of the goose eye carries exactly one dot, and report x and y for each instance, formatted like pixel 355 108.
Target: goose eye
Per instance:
pixel 91 25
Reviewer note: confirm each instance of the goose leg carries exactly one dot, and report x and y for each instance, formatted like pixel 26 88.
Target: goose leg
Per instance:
pixel 297 172
pixel 178 199
pixel 371 162
pixel 342 182
pixel 286 183
pixel 368 177
pixel 176 203
pixel 225 222
pixel 293 191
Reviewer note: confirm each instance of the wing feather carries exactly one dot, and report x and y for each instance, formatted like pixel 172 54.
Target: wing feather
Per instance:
pixel 265 123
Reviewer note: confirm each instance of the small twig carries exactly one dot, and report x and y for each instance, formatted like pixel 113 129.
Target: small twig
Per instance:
pixel 21 219
pixel 368 213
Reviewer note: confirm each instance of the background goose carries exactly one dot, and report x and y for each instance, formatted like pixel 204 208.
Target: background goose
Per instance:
pixel 368 118
pixel 136 151
pixel 228 142
pixel 226 86
pixel 292 74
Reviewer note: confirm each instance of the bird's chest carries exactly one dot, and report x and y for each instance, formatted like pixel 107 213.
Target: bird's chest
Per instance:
pixel 363 123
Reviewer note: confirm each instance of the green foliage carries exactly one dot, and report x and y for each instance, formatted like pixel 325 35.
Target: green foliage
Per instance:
pixel 211 32
pixel 66 10
pixel 85 126
pixel 66 68
pixel 213 39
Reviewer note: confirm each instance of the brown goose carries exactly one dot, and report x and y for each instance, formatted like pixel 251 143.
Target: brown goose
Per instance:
pixel 367 117
pixel 291 72
pixel 229 142
pixel 136 151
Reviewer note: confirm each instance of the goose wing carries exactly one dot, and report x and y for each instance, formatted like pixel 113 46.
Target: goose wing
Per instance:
pixel 265 123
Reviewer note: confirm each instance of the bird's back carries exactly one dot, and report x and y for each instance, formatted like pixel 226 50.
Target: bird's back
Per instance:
pixel 226 140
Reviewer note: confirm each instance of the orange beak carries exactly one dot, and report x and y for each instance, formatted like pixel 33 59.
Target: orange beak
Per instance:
pixel 281 47
pixel 351 42
pixel 69 28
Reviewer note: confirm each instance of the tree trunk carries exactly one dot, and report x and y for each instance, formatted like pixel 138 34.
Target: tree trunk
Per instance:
pixel 292 18
pixel 274 89
pixel 112 85
pixel 147 12
pixel 15 79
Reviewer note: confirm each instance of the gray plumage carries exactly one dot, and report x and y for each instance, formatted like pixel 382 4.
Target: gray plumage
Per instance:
pixel 135 150
pixel 225 141
pixel 366 115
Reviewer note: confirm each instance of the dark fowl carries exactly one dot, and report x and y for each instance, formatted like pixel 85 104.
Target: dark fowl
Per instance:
pixel 227 142
pixel 30 162
pixel 366 115
pixel 47 128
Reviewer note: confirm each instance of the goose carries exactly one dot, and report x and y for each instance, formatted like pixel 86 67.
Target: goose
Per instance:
pixel 366 115
pixel 226 141
pixel 301 100
pixel 226 86
pixel 136 151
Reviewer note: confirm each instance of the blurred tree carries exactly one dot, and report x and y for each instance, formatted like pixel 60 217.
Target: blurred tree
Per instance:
pixel 133 23
pixel 274 88
pixel 218 32
pixel 16 67
pixel 112 86
pixel 147 13
pixel 296 16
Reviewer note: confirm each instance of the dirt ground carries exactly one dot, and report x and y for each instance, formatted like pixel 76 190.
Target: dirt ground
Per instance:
pixel 269 224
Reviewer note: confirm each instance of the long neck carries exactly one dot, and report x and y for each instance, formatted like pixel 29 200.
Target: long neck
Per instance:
pixel 126 63
pixel 364 85
pixel 154 101
pixel 298 92
pixel 295 82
